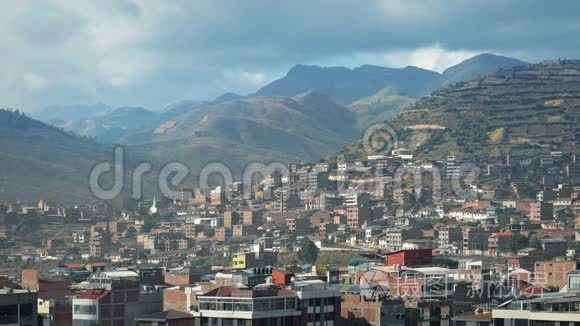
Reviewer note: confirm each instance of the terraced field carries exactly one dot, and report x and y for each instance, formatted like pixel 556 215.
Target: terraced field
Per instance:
pixel 524 110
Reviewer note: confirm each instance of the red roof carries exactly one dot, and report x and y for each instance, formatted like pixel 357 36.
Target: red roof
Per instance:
pixel 286 293
pixel 222 291
pixel 226 291
pixel 502 234
pixel 93 294
pixel 98 264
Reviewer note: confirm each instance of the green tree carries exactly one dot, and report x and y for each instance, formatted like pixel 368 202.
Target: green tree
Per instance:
pixel 536 243
pixel 517 243
pixel 408 201
pixel 149 221
pixel 308 252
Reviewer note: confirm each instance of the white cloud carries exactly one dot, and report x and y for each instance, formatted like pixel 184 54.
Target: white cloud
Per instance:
pixel 434 58
pixel 150 52
pixel 34 82
pixel 257 79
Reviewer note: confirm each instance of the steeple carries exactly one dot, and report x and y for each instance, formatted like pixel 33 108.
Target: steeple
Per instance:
pixel 153 208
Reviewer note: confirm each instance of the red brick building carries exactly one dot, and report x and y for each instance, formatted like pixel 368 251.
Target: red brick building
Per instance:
pixel 415 257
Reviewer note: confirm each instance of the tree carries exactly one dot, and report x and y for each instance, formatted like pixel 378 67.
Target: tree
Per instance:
pixel 408 201
pixel 517 243
pixel 308 252
pixel 536 243
pixel 149 221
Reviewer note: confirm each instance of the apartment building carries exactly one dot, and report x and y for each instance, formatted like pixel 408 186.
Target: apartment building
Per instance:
pixel 114 298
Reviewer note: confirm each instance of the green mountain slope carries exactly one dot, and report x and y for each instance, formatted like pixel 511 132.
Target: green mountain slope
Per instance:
pixel 38 161
pixel 381 106
pixel 525 110
pixel 308 126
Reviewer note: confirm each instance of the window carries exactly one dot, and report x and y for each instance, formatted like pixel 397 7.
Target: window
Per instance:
pixel 278 304
pixel 85 309
pixel 9 314
pixel 574 282
pixel 81 322
pixel 26 310
pixel 118 296
pixel 132 296
pixel 242 306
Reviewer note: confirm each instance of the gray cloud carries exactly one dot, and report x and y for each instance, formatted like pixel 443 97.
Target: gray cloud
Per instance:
pixel 154 52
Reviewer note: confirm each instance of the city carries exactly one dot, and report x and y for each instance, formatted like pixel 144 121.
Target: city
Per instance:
pixel 413 177
pixel 297 250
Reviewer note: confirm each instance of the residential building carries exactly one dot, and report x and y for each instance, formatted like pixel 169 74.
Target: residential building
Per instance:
pixel 370 306
pixel 560 308
pixel 394 238
pixel 541 212
pixel 114 298
pixel 554 273
pixel 410 258
pixel 18 307
pixel 266 306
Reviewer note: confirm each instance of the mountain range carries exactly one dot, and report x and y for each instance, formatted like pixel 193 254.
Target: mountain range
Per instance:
pixel 310 113
pixel 345 86
pixel 306 126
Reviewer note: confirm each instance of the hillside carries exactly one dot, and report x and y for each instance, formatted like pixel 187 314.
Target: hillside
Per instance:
pixel 39 161
pixel 381 106
pixel 525 110
pixel 308 126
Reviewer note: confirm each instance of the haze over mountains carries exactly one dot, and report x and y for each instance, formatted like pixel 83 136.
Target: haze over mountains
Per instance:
pixel 371 92
pixel 306 126
pixel 309 114
pixel 345 86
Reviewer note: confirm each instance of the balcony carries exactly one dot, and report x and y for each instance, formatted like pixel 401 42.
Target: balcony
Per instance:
pixel 248 308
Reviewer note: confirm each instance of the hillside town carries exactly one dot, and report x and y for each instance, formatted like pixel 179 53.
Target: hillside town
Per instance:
pixel 385 240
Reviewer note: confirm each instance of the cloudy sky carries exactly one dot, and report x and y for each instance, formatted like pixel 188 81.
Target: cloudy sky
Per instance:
pixel 151 53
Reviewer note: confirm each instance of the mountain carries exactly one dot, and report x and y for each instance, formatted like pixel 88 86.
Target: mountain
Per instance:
pixel 38 161
pixel 345 86
pixel 307 126
pixel 111 126
pixel 65 114
pixel 181 107
pixel 227 97
pixel 525 110
pixel 480 65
